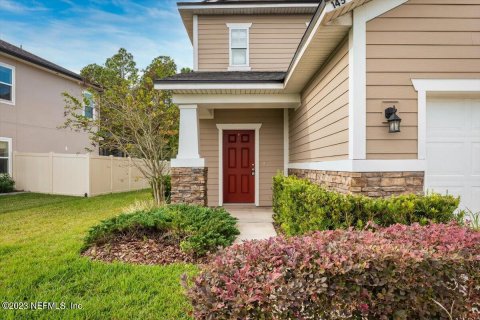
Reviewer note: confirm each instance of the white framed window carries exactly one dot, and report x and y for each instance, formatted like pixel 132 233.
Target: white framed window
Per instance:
pixel 7 84
pixel 6 155
pixel 239 46
pixel 89 106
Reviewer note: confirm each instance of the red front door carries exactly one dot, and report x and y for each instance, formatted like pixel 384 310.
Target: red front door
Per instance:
pixel 238 166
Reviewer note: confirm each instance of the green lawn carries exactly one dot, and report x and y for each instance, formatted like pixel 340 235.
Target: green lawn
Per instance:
pixel 40 241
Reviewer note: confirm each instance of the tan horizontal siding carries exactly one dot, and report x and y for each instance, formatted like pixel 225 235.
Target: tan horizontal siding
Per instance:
pixel 319 127
pixel 271 147
pixel 419 39
pixel 273 41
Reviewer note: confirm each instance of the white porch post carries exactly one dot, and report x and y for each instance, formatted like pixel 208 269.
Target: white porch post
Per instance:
pixel 188 145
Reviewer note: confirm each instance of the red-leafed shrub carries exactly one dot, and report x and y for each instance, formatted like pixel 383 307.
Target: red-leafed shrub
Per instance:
pixel 400 272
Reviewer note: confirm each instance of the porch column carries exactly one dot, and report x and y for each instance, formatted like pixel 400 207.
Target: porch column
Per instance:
pixel 188 171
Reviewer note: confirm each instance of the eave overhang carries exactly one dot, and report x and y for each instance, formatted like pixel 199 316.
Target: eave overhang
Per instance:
pixel 330 26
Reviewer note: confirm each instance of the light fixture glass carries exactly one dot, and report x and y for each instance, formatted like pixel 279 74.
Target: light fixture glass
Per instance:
pixel 393 120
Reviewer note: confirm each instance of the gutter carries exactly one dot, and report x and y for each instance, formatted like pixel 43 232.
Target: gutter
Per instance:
pixel 250 4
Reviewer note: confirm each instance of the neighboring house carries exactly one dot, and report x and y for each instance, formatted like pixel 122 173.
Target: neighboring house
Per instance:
pixel 32 106
pixel 302 87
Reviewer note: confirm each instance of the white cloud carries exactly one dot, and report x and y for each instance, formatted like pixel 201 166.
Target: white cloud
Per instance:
pixel 90 35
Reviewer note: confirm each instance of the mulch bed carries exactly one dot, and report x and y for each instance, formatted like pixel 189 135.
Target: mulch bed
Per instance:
pixel 144 248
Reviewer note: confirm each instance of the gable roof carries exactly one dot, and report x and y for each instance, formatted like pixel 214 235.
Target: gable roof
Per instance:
pixel 19 53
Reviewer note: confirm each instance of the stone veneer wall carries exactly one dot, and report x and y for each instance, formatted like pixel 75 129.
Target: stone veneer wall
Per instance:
pixel 189 185
pixel 372 184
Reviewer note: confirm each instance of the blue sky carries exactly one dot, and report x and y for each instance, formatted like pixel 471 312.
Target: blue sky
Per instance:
pixel 74 34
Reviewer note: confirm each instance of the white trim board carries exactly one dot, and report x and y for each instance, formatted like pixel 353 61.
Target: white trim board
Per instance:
pixel 286 141
pixel 239 126
pixel 10 154
pixel 223 99
pixel 195 42
pixel 424 86
pixel 362 165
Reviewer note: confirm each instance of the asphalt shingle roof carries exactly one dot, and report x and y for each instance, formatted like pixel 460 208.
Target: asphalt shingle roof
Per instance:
pixel 228 76
pixel 19 53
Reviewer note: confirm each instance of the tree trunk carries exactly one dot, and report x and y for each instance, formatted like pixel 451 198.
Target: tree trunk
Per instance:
pixel 158 190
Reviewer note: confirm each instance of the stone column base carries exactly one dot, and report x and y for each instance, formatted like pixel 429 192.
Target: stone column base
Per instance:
pixel 372 184
pixel 189 185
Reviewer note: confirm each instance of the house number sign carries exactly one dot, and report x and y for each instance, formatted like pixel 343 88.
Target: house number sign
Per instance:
pixel 338 3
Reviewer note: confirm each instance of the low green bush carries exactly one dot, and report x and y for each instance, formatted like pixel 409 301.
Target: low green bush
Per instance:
pixel 301 206
pixel 6 183
pixel 398 273
pixel 200 230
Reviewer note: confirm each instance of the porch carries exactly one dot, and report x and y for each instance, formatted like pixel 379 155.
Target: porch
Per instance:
pixel 233 137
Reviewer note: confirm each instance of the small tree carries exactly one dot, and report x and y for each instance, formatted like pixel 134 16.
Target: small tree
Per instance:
pixel 132 116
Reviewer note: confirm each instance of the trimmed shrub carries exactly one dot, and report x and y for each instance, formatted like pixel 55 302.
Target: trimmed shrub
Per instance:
pixel 401 272
pixel 201 230
pixel 301 207
pixel 6 183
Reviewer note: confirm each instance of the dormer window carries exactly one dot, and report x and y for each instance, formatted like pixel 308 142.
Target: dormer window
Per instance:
pixel 239 46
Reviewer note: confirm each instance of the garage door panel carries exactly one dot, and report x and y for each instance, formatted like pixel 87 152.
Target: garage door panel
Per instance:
pixel 453 149
pixel 475 119
pixel 451 153
pixel 475 199
pixel 444 189
pixel 476 159
pixel 438 126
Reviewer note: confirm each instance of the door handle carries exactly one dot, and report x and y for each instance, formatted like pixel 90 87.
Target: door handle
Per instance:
pixel 253 169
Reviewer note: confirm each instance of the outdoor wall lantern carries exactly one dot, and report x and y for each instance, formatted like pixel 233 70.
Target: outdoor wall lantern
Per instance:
pixel 393 119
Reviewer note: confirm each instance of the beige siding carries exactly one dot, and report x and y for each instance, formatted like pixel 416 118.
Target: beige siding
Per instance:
pixel 273 41
pixel 271 147
pixel 319 128
pixel 420 39
pixel 33 121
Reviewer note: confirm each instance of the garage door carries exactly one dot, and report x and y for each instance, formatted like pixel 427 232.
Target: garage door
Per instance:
pixel 453 149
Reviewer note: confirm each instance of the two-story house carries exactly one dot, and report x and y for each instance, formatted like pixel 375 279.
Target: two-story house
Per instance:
pixel 32 106
pixel 377 97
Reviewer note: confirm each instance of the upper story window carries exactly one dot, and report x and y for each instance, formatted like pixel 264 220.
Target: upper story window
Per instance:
pixel 239 46
pixel 7 84
pixel 89 107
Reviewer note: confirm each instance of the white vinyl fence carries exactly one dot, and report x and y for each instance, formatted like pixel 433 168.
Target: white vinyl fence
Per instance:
pixel 76 174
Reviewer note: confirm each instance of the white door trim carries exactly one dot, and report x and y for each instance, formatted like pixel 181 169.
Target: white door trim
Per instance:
pixel 10 154
pixel 424 86
pixel 239 126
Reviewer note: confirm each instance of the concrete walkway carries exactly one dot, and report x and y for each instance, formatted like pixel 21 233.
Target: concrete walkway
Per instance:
pixel 254 222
